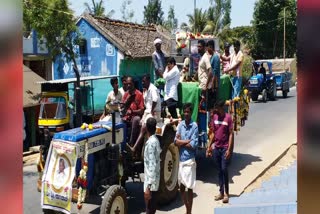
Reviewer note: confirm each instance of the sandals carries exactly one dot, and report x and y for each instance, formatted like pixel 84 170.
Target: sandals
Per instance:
pixel 218 197
pixel 225 199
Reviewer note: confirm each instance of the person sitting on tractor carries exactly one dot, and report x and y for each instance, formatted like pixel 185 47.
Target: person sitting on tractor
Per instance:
pixel 152 105
pixel 132 109
pixel 113 99
pixel 262 70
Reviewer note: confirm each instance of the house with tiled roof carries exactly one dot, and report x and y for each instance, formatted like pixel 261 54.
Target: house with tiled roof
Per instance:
pixel 113 47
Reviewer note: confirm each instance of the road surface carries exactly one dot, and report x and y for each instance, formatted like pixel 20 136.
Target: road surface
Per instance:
pixel 269 131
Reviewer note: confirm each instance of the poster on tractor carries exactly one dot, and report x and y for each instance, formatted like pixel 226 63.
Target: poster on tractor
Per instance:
pixel 58 176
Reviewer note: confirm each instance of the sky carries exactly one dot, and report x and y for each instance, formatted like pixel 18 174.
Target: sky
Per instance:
pixel 241 10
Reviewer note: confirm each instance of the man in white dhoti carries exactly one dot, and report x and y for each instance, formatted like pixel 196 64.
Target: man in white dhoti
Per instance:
pixel 187 141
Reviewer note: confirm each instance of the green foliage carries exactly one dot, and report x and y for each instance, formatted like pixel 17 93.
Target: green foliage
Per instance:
pixel 246 68
pixel 53 20
pixel 127 15
pixel 268 27
pixel 171 23
pixel 244 34
pixel 98 9
pixel 153 13
pixel 211 21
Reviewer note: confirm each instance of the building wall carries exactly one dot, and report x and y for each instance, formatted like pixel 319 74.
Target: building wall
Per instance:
pixel 100 57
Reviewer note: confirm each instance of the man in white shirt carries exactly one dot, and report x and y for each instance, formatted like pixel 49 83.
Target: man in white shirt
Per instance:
pixel 204 69
pixel 235 69
pixel 113 99
pixel 172 77
pixel 152 105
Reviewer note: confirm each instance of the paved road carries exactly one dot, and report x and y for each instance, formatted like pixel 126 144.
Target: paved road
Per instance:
pixel 271 128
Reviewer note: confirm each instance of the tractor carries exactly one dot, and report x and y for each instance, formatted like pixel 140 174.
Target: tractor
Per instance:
pixel 264 84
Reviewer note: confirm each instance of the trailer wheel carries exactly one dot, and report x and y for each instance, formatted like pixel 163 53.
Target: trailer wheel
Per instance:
pixel 273 91
pixel 168 188
pixel 114 201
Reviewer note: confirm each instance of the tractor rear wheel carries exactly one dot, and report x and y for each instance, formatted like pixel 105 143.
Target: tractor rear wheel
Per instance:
pixel 168 188
pixel 264 95
pixel 284 94
pixel 254 96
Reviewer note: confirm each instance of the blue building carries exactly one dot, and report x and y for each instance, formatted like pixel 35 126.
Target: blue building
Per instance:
pixel 112 47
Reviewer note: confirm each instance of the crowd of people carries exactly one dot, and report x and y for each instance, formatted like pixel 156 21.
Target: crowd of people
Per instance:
pixel 142 110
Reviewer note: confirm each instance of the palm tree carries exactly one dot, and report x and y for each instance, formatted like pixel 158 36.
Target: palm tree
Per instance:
pixel 197 21
pixel 98 9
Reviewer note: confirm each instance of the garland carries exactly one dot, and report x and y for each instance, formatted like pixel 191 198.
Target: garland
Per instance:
pixel 183 39
pixel 82 178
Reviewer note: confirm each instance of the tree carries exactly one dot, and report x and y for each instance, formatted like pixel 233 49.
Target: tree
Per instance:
pixel 218 16
pixel 153 13
pixel 268 28
pixel 127 15
pixel 172 23
pixel 54 21
pixel 197 21
pixel 98 9
pixel 243 33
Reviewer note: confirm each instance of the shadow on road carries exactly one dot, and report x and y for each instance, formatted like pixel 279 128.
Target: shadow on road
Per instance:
pixel 208 173
pixel 239 162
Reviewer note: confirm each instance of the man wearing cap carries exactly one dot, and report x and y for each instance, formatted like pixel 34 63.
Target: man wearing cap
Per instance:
pixel 158 59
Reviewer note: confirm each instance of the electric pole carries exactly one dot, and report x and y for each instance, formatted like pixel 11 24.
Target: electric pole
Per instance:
pixel 284 39
pixel 195 23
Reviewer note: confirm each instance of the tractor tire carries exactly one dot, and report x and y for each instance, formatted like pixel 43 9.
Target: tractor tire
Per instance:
pixel 272 91
pixel 114 201
pixel 284 94
pixel 264 95
pixel 254 96
pixel 168 187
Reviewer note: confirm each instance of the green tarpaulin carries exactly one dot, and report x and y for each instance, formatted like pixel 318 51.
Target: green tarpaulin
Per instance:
pixel 189 92
pixel 225 87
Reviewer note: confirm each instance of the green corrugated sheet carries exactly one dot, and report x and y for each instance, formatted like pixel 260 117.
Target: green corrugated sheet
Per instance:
pixel 189 92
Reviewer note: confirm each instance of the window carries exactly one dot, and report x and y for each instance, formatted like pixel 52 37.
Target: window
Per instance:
pixel 53 108
pixel 83 47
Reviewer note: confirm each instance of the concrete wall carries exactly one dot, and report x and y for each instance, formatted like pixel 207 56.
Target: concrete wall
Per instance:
pixel 100 58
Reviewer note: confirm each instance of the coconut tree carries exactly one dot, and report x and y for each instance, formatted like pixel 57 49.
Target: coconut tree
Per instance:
pixel 98 9
pixel 197 21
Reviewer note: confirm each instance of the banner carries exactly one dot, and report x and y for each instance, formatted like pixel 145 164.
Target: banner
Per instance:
pixel 58 176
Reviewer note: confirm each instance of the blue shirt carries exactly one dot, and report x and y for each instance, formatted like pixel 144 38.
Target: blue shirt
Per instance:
pixel 215 65
pixel 189 132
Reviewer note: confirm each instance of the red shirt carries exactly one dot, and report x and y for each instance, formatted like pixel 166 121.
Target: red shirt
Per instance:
pixel 135 105
pixel 221 127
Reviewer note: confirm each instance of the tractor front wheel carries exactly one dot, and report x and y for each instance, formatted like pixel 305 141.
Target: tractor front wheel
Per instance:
pixel 114 201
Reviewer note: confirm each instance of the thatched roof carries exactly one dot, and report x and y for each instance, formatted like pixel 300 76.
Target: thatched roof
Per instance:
pixel 134 40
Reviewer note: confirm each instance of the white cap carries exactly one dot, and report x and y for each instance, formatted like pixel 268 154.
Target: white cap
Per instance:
pixel 157 41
